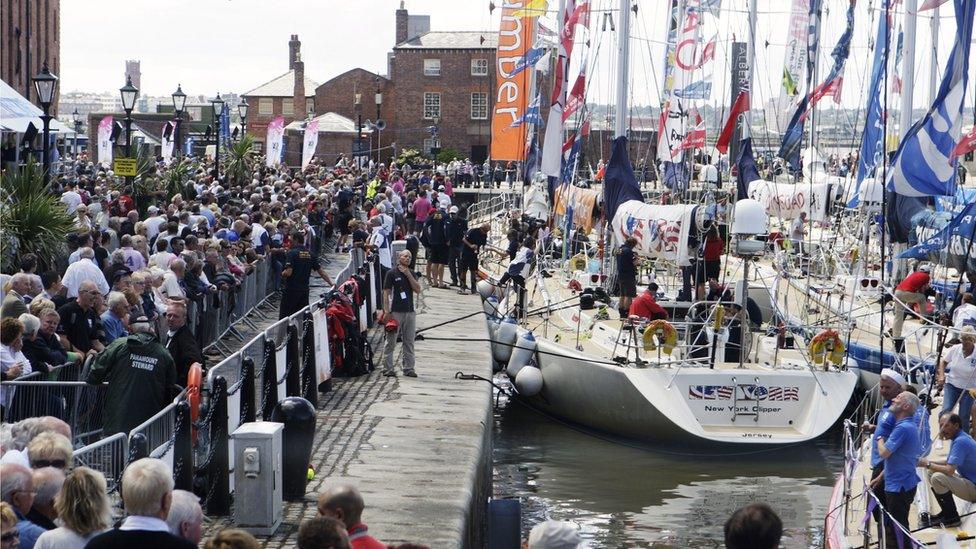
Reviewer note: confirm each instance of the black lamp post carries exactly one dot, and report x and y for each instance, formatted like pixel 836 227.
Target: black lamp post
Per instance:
pixel 242 110
pixel 218 108
pixel 129 95
pixel 44 83
pixel 179 102
pixel 76 118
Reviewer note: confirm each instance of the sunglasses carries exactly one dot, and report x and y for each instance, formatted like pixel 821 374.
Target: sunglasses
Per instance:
pixel 865 282
pixel 10 536
pixel 56 463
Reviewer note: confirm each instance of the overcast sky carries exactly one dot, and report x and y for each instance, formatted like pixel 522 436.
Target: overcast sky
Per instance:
pixel 236 45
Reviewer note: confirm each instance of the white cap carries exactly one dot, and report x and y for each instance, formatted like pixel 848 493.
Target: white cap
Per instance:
pixel 925 268
pixel 554 534
pixel 894 376
pixel 453 210
pixel 152 209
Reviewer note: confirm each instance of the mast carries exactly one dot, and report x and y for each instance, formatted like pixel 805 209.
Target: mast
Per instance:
pixel 934 26
pixel 623 69
pixel 905 115
pixel 746 126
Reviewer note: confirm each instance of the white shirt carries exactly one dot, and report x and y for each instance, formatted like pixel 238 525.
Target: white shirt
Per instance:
pixel 9 357
pixel 171 286
pixel 379 240
pixel 80 271
pixel 63 538
pixel 796 229
pixel 965 312
pixel 257 231
pixel 443 201
pixel 709 174
pixel 962 369
pixel 150 524
pixel 152 226
pixel 161 259
pixel 71 200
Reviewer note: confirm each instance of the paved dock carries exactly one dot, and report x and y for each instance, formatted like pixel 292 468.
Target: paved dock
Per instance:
pixel 419 449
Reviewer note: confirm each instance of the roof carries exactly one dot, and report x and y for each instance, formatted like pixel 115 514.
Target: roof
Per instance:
pixel 283 86
pixel 16 113
pixel 330 122
pixel 456 40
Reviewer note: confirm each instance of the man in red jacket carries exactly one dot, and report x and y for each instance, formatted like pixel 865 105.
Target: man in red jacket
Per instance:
pixel 910 291
pixel 344 502
pixel 645 305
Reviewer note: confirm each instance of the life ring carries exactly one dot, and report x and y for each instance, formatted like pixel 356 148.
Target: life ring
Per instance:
pixel 827 345
pixel 577 262
pixel 668 342
pixel 194 381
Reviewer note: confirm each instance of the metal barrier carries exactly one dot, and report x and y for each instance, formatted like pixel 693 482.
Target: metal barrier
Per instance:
pixel 159 431
pixel 108 456
pixel 79 404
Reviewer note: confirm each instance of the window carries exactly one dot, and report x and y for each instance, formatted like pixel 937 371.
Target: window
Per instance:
pixel 288 106
pixel 479 106
pixel 310 105
pixel 479 67
pixel 431 143
pixel 265 105
pixel 432 67
pixel 432 105
pixel 258 147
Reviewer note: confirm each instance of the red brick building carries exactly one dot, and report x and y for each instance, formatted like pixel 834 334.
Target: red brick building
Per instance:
pixel 30 32
pixel 290 95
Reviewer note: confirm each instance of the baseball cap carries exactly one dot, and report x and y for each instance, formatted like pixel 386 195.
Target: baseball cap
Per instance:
pixel 925 268
pixel 555 534
pixel 453 210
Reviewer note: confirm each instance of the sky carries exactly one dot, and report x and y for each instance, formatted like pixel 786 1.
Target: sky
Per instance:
pixel 212 46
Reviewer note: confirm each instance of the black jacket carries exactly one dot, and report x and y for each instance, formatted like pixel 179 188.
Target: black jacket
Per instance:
pixel 41 357
pixel 184 349
pixel 143 539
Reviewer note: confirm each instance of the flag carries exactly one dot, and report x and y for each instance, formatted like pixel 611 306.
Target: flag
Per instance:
pixel 531 116
pixel 512 92
pixel 569 166
pixel 740 106
pixel 530 58
pixel 931 4
pixel 532 8
pixel 310 142
pixel 954 238
pixel 794 62
pixel 695 138
pixel 792 138
pixel 225 123
pixel 577 96
pixel 531 161
pixel 922 165
pixel 166 148
pixel 542 64
pixel 552 146
pixel 105 140
pixel 965 145
pixel 745 169
pixel 872 143
pixel 273 148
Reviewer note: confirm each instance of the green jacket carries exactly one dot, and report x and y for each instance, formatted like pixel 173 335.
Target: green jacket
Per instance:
pixel 141 378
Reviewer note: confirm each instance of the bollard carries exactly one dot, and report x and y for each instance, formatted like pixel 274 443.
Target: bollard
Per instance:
pixel 249 404
pixel 504 523
pixel 309 371
pixel 298 416
pixel 293 380
pixel 269 379
pixel 218 470
pixel 138 447
pixel 183 448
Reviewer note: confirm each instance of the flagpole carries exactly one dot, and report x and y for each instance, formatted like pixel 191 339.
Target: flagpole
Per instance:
pixel 933 70
pixel 905 115
pixel 746 130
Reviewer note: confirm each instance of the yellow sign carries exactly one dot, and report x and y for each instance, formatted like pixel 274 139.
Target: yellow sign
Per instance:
pixel 125 167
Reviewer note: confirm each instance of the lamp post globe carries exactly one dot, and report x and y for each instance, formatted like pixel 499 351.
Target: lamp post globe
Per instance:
pixel 45 83
pixel 76 120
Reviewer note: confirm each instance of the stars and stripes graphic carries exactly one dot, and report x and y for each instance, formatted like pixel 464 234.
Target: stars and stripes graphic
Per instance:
pixel 746 392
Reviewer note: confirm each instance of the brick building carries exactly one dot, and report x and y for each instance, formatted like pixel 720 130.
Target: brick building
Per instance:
pixel 338 96
pixel 336 135
pixel 30 32
pixel 291 95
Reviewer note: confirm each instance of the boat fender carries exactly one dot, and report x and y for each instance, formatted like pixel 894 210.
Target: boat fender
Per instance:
pixel 486 289
pixel 504 339
pixel 664 332
pixel 523 352
pixel 529 381
pixel 490 306
pixel 827 345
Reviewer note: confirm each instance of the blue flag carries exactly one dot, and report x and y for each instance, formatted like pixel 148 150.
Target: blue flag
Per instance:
pixel 921 165
pixel 530 58
pixel 531 116
pixel 225 124
pixel 569 166
pixel 955 239
pixel 872 143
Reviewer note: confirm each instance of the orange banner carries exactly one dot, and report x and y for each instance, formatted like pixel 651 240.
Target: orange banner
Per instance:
pixel 512 98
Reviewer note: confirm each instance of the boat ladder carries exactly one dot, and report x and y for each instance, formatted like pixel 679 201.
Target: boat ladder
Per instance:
pixel 747 411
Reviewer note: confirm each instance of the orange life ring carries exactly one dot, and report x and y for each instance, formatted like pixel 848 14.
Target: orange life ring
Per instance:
pixel 194 381
pixel 819 351
pixel 668 338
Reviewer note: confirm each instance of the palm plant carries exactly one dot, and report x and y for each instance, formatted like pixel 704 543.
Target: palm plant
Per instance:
pixel 241 158
pixel 33 218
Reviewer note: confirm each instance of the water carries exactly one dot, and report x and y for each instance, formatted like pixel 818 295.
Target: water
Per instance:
pixel 624 496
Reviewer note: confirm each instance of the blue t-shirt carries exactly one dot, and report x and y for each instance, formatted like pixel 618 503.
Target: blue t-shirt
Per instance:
pixel 962 454
pixel 114 328
pixel 886 421
pixel 899 467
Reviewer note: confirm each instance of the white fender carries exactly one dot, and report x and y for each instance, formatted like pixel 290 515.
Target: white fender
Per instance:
pixel 529 381
pixel 504 339
pixel 487 288
pixel 523 352
pixel 490 305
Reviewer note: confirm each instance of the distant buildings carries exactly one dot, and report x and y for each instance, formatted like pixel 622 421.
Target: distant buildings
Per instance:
pixel 30 33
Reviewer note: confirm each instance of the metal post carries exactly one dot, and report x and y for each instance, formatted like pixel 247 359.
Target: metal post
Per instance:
pixel 46 118
pixel 217 146
pixel 248 400
pixel 293 381
pixel 269 380
pixel 183 448
pixel 176 134
pixel 218 472
pixel 128 153
pixel 309 378
pixel 77 131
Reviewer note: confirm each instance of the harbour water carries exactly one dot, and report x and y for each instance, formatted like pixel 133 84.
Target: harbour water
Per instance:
pixel 626 496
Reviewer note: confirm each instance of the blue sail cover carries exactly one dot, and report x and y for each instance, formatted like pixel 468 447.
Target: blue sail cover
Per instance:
pixel 619 181
pixel 954 241
pixel 899 211
pixel 746 171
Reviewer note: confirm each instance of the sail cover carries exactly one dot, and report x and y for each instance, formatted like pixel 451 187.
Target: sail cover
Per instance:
pixel 619 183
pixel 787 200
pixel 955 240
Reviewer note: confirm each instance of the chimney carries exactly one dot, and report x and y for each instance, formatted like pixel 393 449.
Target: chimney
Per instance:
pixel 294 51
pixel 298 97
pixel 401 24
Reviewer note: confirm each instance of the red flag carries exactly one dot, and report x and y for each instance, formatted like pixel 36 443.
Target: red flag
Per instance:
pixel 576 96
pixel 740 106
pixel 695 138
pixel 967 143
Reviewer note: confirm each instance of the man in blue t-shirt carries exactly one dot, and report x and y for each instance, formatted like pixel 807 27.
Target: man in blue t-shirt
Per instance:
pixel 900 452
pixel 955 477
pixel 891 384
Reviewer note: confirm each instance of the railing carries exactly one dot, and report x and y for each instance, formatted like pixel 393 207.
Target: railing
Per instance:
pixel 108 456
pixel 79 404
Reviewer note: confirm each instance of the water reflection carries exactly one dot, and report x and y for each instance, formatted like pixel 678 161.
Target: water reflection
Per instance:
pixel 624 496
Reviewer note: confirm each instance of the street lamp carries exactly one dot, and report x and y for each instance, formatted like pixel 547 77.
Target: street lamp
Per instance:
pixel 76 118
pixel 218 109
pixel 44 83
pixel 379 130
pixel 179 102
pixel 242 110
pixel 129 95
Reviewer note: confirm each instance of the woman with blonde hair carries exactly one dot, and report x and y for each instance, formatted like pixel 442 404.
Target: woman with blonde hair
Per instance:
pixel 83 509
pixel 232 538
pixel 9 536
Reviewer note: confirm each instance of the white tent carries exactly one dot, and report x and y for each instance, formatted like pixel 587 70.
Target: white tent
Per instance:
pixel 16 113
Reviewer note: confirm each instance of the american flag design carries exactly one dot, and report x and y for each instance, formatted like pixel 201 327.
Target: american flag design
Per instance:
pixel 746 392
